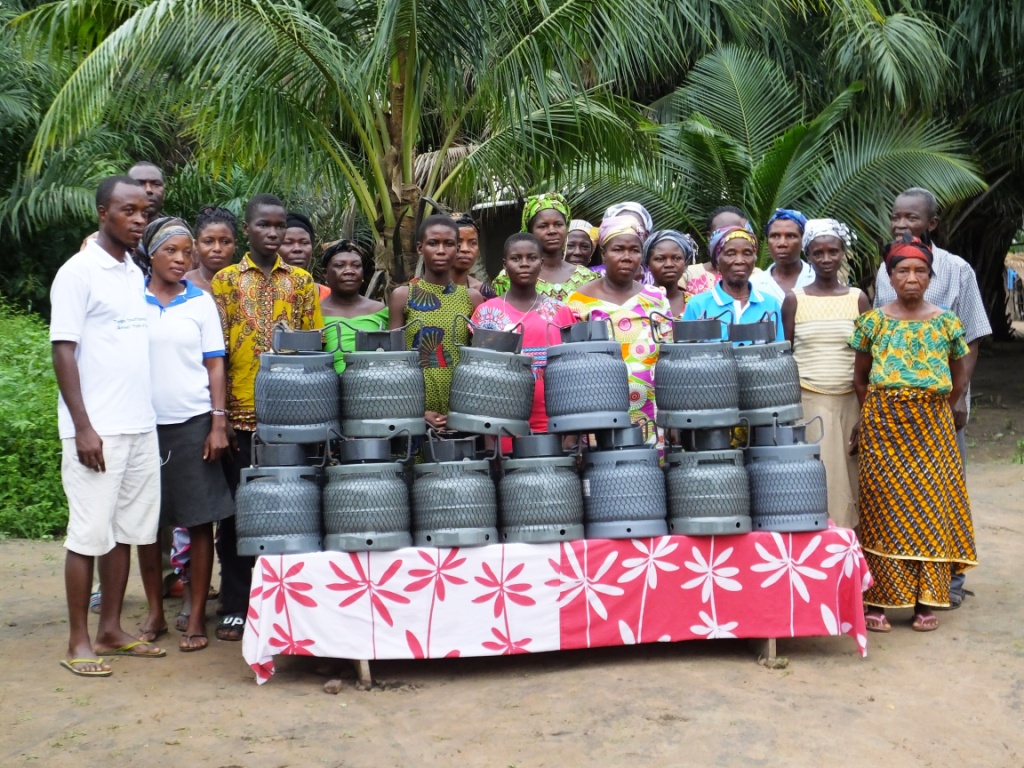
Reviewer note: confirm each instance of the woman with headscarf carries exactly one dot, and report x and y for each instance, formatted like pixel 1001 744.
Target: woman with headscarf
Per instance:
pixel 628 304
pixel 297 246
pixel 644 227
pixel 734 299
pixel 784 232
pixel 915 522
pixel 467 255
pixel 702 277
pixel 189 397
pixel 666 255
pixel 581 243
pixel 818 320
pixel 346 267
pixel 546 217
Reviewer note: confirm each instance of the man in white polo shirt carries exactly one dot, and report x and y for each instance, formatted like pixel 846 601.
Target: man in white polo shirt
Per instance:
pixel 110 466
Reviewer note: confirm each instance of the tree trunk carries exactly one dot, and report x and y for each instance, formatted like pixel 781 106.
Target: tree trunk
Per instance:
pixel 983 239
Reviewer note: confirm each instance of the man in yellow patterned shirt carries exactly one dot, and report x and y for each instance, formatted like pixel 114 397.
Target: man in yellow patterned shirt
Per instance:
pixel 252 297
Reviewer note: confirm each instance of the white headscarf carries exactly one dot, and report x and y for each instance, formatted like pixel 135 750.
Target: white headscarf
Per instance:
pixel 637 210
pixel 816 228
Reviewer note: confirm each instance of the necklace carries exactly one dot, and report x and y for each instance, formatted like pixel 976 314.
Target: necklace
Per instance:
pixel 532 306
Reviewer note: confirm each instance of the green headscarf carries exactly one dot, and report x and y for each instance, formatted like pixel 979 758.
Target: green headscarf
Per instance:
pixel 537 203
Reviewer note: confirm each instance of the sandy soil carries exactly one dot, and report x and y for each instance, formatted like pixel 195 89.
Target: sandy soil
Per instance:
pixel 953 697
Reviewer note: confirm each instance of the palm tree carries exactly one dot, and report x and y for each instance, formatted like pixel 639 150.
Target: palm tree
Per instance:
pixel 737 132
pixel 343 98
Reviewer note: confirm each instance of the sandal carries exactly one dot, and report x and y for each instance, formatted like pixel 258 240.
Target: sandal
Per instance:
pixel 924 623
pixel 95 601
pixel 231 627
pixel 876 622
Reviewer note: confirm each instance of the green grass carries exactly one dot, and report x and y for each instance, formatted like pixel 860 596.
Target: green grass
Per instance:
pixel 32 503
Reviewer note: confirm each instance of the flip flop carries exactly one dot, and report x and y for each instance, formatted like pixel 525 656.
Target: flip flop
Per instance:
pixel 876 623
pixel 95 601
pixel 924 623
pixel 126 650
pixel 69 665
pixel 185 648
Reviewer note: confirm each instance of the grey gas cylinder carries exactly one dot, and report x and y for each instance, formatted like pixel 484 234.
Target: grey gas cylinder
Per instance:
pixel 540 495
pixel 366 507
pixel 708 493
pixel 454 504
pixel 624 490
pixel 586 387
pixel 697 385
pixel 788 489
pixel 277 511
pixel 491 392
pixel 382 394
pixel 769 381
pixel 296 397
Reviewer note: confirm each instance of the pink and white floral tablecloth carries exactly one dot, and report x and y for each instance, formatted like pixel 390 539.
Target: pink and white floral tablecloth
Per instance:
pixel 528 598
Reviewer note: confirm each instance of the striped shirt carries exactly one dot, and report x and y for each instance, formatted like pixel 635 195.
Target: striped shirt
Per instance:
pixel 822 328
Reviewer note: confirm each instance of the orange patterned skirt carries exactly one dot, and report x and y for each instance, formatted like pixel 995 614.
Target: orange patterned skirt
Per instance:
pixel 915 516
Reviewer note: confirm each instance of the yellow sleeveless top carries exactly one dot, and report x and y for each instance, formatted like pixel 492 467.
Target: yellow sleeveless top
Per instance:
pixel 822 330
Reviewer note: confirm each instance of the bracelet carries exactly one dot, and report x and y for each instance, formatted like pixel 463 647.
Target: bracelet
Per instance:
pixel 218 412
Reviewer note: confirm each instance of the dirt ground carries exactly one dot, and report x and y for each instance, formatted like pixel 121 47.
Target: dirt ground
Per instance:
pixel 953 697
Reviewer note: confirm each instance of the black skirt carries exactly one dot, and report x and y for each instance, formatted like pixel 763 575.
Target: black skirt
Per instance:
pixel 192 491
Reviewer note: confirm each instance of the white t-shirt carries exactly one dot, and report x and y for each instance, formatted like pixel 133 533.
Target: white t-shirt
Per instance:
pixel 97 302
pixel 765 283
pixel 181 336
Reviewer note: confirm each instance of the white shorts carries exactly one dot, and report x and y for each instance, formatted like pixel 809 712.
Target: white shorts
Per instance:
pixel 119 506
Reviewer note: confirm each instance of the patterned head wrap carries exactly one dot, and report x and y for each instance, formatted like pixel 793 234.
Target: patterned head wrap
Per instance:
pixel 722 236
pixel 685 242
pixel 580 225
pixel 618 225
pixel 816 228
pixel 158 232
pixel 537 203
pixel 637 210
pixel 787 214
pixel 907 248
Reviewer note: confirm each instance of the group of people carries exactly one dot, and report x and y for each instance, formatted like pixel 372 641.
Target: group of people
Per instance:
pixel 157 334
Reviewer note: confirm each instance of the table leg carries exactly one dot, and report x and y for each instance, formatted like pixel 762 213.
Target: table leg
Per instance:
pixel 364 680
pixel 766 649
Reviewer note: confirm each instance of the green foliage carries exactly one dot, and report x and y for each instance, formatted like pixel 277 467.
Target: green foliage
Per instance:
pixel 32 502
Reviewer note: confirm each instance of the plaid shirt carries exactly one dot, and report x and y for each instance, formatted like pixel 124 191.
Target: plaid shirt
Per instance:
pixel 953 287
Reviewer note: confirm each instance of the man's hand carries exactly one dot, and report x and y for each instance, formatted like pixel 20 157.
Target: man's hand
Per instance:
pixel 90 449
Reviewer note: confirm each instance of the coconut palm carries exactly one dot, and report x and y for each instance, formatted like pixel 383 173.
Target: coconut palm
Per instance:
pixel 342 98
pixel 737 132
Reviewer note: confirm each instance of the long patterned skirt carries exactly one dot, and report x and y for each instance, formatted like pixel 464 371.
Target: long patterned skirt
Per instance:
pixel 915 516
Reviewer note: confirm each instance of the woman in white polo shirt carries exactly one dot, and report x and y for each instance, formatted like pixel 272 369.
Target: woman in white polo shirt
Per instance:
pixel 186 351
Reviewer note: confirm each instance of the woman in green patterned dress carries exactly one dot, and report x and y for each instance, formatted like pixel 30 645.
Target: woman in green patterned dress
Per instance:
pixel 914 512
pixel 546 217
pixel 434 300
pixel 347 268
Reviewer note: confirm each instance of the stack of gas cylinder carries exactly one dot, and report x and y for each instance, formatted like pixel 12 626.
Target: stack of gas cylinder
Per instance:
pixel 712 390
pixel 278 498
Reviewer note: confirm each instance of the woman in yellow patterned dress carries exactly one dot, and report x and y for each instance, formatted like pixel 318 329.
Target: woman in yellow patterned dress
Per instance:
pixel 628 303
pixel 435 301
pixel 914 512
